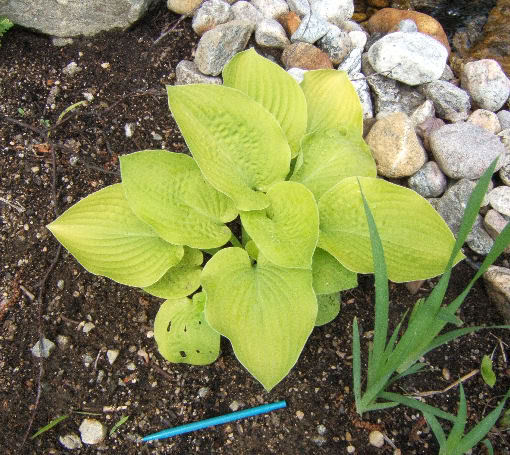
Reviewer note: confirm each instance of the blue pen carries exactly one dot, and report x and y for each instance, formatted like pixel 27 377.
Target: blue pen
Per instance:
pixel 168 433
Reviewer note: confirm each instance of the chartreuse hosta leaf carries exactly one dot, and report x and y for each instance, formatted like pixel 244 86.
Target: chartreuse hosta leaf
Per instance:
pixel 238 145
pixel 106 237
pixel 328 156
pixel 328 308
pixel 286 232
pixel 329 276
pixel 182 279
pixel 332 102
pixel 267 312
pixel 167 191
pixel 416 240
pixel 182 333
pixel 270 85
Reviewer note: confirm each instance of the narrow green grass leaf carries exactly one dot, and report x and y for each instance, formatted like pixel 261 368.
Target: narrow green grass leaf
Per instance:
pixel 356 365
pixel 122 421
pixel 49 426
pixel 457 431
pixel 436 428
pixel 490 449
pixel 415 404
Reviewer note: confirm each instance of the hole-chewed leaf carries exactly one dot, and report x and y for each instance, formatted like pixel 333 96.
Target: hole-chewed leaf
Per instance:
pixel 328 308
pixel 287 231
pixel 267 312
pixel 416 240
pixel 238 145
pixel 332 102
pixel 106 237
pixel 270 85
pixel 182 279
pixel 328 156
pixel 167 191
pixel 188 339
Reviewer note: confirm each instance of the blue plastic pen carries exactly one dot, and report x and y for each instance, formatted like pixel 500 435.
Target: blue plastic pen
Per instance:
pixel 168 433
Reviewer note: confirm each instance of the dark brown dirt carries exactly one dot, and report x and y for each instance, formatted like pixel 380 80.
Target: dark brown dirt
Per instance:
pixel 126 74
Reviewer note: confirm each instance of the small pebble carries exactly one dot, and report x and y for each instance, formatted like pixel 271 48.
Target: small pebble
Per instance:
pixel 87 360
pixel 321 429
pixel 203 392
pixel 87 327
pixel 60 284
pixel 112 355
pixel 71 441
pixel 92 431
pixel 131 366
pixel 376 438
pixel 43 350
pixel 235 405
pixel 351 449
pixel 300 415
pixel 62 341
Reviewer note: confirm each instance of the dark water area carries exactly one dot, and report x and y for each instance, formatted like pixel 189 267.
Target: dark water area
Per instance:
pixel 457 15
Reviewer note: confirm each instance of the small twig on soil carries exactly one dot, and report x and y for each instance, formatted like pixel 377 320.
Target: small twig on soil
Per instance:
pixel 501 344
pixel 71 321
pixel 451 386
pixel 15 205
pixel 162 372
pixel 40 304
pixel 25 291
pixel 172 28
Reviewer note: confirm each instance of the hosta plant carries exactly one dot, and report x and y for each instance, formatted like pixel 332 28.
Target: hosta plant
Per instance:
pixel 278 163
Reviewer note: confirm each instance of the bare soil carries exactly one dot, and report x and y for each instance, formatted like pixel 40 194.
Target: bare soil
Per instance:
pixel 43 290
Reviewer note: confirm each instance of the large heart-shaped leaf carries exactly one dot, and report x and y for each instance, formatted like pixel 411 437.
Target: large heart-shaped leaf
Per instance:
pixel 167 191
pixel 182 333
pixel 417 242
pixel 328 156
pixel 266 311
pixel 287 231
pixel 182 279
pixel 106 237
pixel 238 145
pixel 270 85
pixel 332 102
pixel 329 275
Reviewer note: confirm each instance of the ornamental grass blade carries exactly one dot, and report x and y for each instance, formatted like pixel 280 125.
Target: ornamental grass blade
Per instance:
pixel 356 366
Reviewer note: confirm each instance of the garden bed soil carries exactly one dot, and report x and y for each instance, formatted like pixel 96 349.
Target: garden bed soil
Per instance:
pixel 44 290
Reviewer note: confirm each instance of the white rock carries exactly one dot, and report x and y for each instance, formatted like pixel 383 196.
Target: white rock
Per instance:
pixel 92 431
pixel 423 112
pixel 390 95
pixel 358 39
pixel 63 341
pixel 334 11
pixel 429 181
pixel 479 239
pixel 486 119
pixel 218 46
pixel 363 90
pixel 300 7
pixel 71 69
pixel 395 146
pixel 499 199
pixel 412 58
pixel 211 14
pixel 185 7
pixel 87 327
pixel 245 11
pixel 70 441
pixel 43 349
pixel 487 84
pixel 450 102
pixel 352 63
pixel 186 72
pixel 504 119
pixel 337 44
pixel 447 74
pixel 270 33
pixel 271 8
pixel 464 150
pixel 376 438
pixel 311 29
pixel 112 355
pixel 297 73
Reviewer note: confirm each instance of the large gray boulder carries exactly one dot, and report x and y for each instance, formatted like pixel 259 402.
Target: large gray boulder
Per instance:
pixel 67 18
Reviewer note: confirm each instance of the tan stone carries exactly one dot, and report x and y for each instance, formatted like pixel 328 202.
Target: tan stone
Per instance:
pixel 305 56
pixel 186 7
pixel 494 43
pixel 486 119
pixel 379 3
pixel 497 284
pixel 395 147
pixel 494 223
pixel 386 19
pixel 290 22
